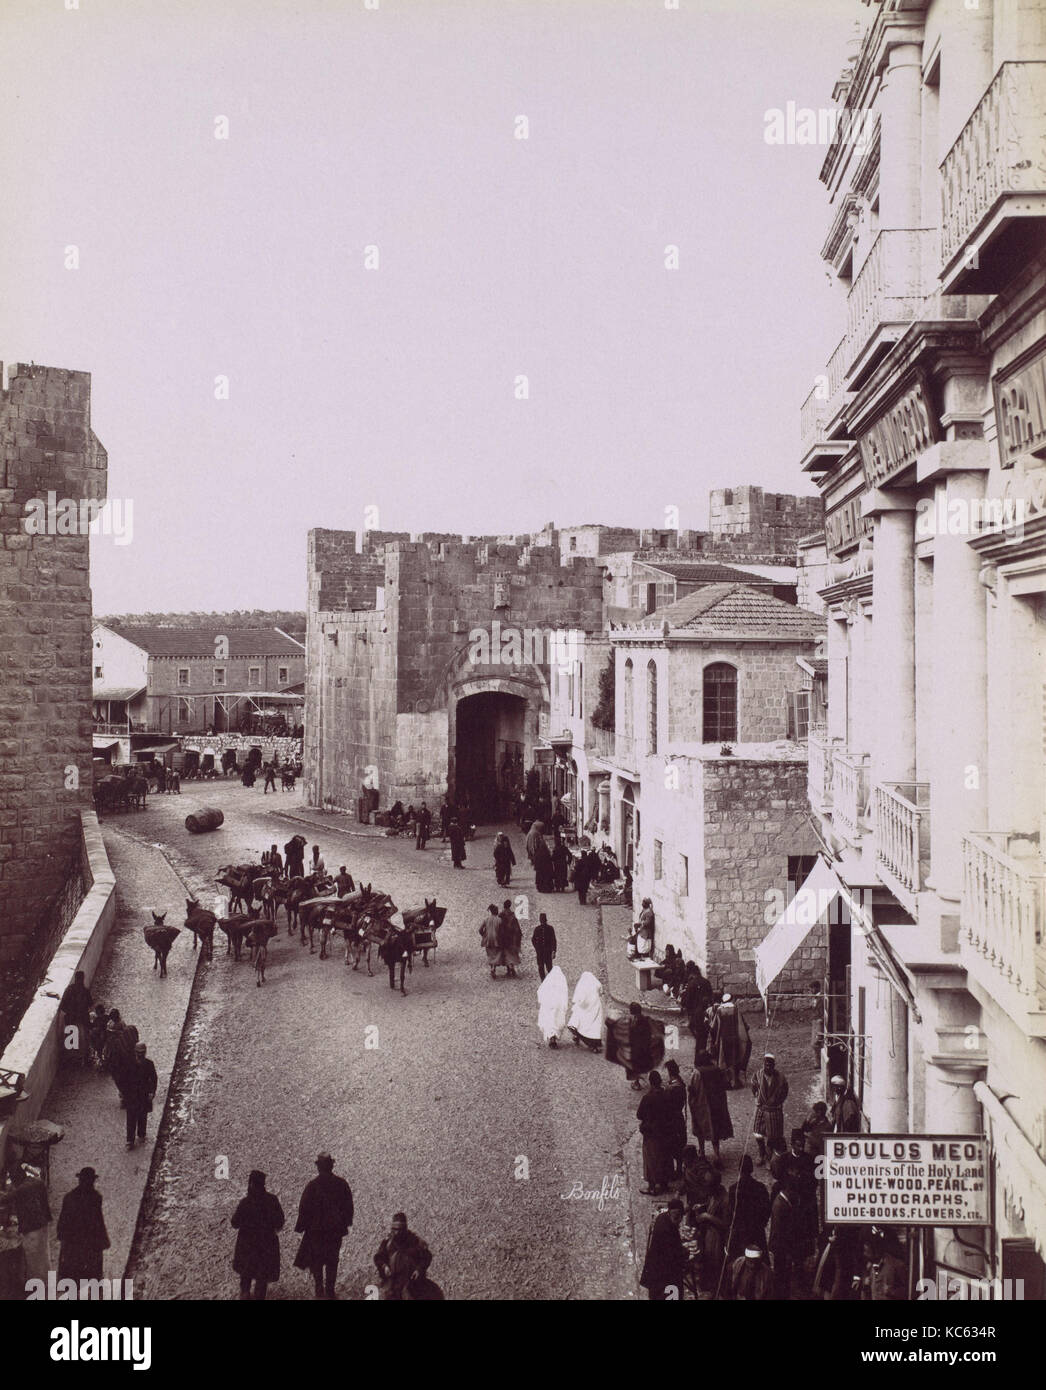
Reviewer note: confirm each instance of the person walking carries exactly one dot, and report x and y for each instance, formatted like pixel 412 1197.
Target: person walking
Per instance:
pixel 709 1109
pixel 640 1046
pixel 257 1220
pixel 30 1205
pixel 729 1041
pixel 139 1090
pixel 317 868
pixel 510 938
pixel 119 1053
pixel 587 1015
pixel 76 1019
pixel 770 1088
pixel 695 1001
pixel 488 934
pixel 543 939
pixel 270 778
pixel 560 863
pixel 81 1232
pixel 457 843
pixel 423 826
pixel 655 1124
pixel 504 859
pixel 294 856
pixel 665 1266
pixel 582 877
pixel 675 1091
pixel 553 995
pixel 324 1217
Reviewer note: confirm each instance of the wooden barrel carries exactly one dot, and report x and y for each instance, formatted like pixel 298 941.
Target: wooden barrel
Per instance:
pixel 207 819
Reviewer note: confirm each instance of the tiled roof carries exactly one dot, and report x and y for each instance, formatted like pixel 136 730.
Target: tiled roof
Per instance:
pixel 716 609
pixel 686 572
pixel 200 642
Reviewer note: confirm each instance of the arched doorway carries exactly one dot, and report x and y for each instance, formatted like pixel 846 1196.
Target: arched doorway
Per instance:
pixel 490 736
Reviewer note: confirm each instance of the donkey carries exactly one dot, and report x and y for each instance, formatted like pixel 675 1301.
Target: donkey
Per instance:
pixel 160 939
pixel 424 923
pixel 200 922
pixel 235 928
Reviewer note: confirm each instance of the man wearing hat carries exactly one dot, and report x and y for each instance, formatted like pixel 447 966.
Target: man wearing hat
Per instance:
pixel 846 1109
pixel 139 1089
pixel 770 1088
pixel 81 1230
pixel 751 1279
pixel 324 1218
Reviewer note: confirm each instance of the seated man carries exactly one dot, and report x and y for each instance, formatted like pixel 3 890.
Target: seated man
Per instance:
pixel 401 1259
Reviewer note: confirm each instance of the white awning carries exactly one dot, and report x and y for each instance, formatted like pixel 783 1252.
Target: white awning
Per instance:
pixel 809 906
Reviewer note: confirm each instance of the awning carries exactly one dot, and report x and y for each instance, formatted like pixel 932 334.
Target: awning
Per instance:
pixel 1022 1173
pixel 106 747
pixel 116 692
pixel 809 906
pixel 156 748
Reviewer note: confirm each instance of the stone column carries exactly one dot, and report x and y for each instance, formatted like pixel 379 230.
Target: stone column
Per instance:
pixel 886 1101
pixel 838 658
pixel 893 635
pixel 959 754
pixel 900 168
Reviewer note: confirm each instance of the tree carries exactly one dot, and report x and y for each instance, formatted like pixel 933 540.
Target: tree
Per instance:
pixel 603 714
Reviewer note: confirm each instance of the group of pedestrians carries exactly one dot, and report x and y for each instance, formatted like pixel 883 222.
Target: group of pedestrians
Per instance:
pixel 95 1035
pixel 325 1216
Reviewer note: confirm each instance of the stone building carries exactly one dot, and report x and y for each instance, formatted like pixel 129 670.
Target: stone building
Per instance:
pixel 429 667
pixel 706 794
pixel 748 521
pixel 53 470
pixel 177 680
pixel 929 446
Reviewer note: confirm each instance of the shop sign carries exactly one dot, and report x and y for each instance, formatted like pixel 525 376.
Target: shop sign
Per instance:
pixel 906 1180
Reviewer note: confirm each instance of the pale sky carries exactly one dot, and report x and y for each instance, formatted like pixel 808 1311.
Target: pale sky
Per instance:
pixel 395 388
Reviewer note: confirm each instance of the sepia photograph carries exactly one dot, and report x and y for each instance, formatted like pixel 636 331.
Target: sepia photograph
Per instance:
pixel 523 668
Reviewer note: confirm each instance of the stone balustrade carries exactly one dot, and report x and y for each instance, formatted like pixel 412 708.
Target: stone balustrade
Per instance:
pixel 1000 151
pixel 1001 922
pixel 849 793
pixel 819 771
pixel 902 838
pixel 888 288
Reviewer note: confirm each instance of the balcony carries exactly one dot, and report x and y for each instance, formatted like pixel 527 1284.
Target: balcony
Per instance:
pixel 819 449
pixel 819 771
pixel 849 794
pixel 1001 924
pixel 885 297
pixel 993 184
pixel 599 743
pixel 902 839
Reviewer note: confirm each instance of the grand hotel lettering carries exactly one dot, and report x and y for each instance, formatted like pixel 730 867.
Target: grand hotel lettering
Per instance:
pixel 898 437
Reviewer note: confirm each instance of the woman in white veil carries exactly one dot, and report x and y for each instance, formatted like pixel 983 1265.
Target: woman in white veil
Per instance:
pixel 553 996
pixel 586 1017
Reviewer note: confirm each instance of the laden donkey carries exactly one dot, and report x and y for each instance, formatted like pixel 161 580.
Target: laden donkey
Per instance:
pixel 201 923
pixel 160 939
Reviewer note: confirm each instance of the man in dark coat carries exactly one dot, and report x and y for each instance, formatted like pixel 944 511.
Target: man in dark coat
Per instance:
pixel 119 1053
pixel 709 1109
pixel 543 939
pixel 770 1088
pixel 729 1040
pixel 656 1116
pixel 401 1260
pixel 695 1001
pixel 139 1089
pixel 294 854
pixel 457 843
pixel 76 1010
pixel 510 937
pixel 666 1261
pixel 324 1218
pixel 81 1230
pixel 423 826
pixel 504 859
pixel 258 1218
pixel 750 1209
pixel 560 864
pixel 784 1237
pixel 751 1278
pixel 583 877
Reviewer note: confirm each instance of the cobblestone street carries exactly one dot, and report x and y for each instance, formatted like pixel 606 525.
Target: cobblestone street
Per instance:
pixel 457 1098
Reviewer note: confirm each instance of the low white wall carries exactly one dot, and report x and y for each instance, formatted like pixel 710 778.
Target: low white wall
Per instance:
pixel 36 1046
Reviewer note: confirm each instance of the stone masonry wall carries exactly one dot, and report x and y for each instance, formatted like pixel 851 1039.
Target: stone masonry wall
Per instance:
pixel 46 445
pixel 766 671
pixel 755 816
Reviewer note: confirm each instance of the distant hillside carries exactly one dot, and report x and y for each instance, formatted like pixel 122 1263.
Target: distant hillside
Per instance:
pixel 292 623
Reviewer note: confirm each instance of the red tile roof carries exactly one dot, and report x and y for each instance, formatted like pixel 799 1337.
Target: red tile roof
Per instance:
pixel 717 609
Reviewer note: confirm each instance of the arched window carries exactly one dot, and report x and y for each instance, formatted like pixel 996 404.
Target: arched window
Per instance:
pixel 651 707
pixel 627 698
pixel 719 712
